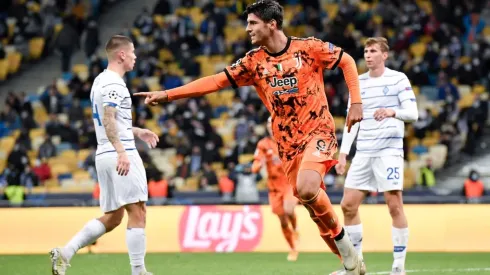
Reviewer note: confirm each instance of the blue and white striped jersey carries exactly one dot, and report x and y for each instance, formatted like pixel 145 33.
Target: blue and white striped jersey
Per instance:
pixel 109 89
pixel 392 90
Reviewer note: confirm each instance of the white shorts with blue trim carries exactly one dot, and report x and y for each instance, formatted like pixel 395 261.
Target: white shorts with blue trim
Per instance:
pixel 117 191
pixel 378 174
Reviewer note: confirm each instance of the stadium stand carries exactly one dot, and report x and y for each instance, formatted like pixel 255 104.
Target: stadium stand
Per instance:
pixel 48 141
pixel 30 29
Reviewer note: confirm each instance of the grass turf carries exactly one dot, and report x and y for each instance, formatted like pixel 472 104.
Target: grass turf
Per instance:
pixel 246 264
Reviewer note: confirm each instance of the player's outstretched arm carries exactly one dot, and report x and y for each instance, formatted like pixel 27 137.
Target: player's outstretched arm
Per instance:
pixel 348 66
pixel 147 136
pixel 195 88
pixel 112 133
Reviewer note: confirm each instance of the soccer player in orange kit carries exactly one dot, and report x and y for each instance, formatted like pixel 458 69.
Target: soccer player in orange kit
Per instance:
pixel 287 73
pixel 281 196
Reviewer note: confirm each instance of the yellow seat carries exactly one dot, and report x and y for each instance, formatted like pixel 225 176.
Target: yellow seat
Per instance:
pixel 83 154
pixel 36 47
pixel 418 49
pixel 245 158
pixel 14 59
pixel 60 168
pixel 68 155
pixel 4 69
pixel 159 20
pixel 165 55
pixel 38 132
pixel 7 143
pixel 429 141
pixel 79 68
pixel 81 175
pixel 192 184
pixel 217 166
pixel 478 89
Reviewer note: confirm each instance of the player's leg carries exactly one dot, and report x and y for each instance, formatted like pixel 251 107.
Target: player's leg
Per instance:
pixel 308 186
pixel 94 229
pixel 135 198
pixel 324 232
pixel 290 203
pixel 276 203
pixel 136 237
pixel 358 182
pixel 389 172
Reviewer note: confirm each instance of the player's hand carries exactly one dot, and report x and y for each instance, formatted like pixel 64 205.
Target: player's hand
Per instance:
pixel 122 164
pixel 153 98
pixel 354 116
pixel 340 166
pixel 383 113
pixel 149 137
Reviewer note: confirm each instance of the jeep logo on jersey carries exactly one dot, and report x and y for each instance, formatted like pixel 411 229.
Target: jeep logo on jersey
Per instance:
pixel 288 81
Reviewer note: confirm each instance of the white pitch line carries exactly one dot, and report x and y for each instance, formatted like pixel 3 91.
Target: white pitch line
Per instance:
pixel 449 270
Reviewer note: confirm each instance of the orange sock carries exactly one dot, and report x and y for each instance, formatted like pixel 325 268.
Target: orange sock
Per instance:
pixel 326 237
pixel 292 220
pixel 288 234
pixel 323 209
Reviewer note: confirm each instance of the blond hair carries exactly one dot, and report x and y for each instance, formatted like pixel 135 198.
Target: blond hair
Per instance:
pixel 117 41
pixel 381 41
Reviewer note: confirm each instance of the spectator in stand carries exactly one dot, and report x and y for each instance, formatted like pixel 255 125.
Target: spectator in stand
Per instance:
pixel 473 188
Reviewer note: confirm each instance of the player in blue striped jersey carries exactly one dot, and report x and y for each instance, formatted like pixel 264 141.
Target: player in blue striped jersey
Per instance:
pixel 120 170
pixel 388 102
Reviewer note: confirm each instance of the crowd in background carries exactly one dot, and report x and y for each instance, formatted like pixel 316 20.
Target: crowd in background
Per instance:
pixel 456 54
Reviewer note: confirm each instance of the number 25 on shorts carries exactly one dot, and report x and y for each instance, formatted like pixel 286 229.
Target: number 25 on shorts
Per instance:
pixel 393 173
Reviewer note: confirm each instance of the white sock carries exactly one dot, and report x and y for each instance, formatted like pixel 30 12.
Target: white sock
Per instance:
pixel 400 242
pixel 89 233
pixel 136 241
pixel 355 234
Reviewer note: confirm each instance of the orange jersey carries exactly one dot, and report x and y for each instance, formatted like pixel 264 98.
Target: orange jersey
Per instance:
pixel 267 152
pixel 290 84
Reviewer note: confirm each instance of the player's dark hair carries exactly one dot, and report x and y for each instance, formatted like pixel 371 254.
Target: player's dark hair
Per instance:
pixel 267 10
pixel 117 41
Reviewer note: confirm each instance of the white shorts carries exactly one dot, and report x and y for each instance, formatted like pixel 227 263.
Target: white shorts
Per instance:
pixel 379 174
pixel 117 191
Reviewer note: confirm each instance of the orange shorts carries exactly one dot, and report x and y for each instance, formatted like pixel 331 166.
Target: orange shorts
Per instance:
pixel 318 156
pixel 277 199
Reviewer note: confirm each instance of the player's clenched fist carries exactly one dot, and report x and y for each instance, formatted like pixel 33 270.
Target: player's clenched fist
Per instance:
pixel 354 116
pixel 153 98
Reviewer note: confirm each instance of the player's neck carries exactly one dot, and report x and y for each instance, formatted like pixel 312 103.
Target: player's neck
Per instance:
pixel 276 43
pixel 117 69
pixel 377 72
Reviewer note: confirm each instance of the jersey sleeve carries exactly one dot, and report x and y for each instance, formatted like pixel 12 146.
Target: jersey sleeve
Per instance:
pixel 326 54
pixel 408 102
pixel 113 95
pixel 241 72
pixel 405 91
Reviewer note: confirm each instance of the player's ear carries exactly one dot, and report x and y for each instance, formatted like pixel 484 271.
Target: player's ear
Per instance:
pixel 273 24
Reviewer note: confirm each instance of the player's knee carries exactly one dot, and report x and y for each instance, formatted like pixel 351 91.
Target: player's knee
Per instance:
pixel 308 184
pixel 349 208
pixel 395 204
pixel 137 215
pixel 396 209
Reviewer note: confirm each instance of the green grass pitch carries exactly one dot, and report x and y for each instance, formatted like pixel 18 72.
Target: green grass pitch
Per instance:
pixel 247 264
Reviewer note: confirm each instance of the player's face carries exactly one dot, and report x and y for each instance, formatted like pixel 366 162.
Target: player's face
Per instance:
pixel 128 57
pixel 258 30
pixel 374 56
